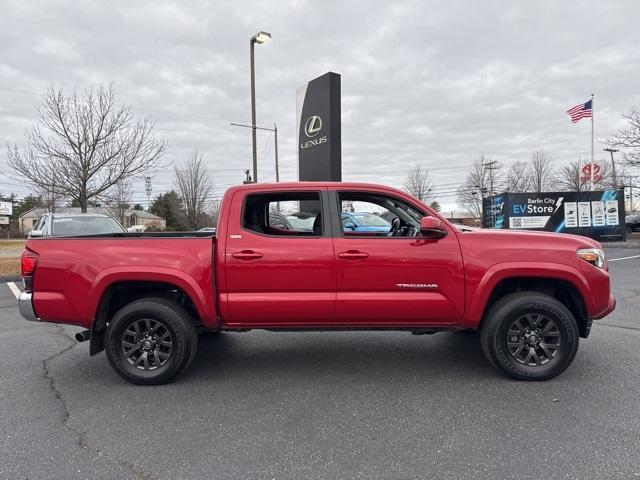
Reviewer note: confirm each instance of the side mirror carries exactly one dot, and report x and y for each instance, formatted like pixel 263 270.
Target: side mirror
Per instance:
pixel 431 227
pixel 35 234
pixel 349 226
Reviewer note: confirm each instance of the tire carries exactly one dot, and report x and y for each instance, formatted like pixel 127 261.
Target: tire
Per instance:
pixel 629 229
pixel 542 348
pixel 212 333
pixel 167 350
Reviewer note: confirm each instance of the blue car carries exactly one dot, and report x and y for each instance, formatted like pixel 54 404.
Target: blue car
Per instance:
pixel 364 222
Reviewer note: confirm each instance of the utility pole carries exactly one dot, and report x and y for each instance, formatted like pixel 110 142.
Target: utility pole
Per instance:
pixel 491 166
pixel 147 189
pixel 275 137
pixel 482 189
pixel 613 167
pixel 631 194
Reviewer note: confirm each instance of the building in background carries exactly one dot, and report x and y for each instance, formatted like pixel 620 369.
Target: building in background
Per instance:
pixel 461 218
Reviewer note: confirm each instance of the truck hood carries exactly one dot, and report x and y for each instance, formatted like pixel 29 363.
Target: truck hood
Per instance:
pixel 533 236
pixel 500 246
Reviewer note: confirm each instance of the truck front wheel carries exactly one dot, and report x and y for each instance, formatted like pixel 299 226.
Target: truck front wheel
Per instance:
pixel 150 341
pixel 529 336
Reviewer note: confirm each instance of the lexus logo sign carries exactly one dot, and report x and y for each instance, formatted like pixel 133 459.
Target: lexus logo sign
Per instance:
pixel 312 126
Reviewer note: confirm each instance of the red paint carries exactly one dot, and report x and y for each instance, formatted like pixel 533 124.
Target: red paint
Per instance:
pixel 295 282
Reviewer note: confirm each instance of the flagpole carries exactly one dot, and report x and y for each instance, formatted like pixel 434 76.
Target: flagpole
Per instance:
pixel 593 114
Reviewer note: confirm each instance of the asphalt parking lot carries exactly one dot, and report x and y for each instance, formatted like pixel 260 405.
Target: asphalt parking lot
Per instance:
pixel 323 405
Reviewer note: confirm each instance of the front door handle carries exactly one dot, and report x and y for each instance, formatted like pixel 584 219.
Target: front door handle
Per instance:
pixel 353 255
pixel 247 255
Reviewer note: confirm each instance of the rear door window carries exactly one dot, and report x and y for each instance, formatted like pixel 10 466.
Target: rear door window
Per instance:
pixel 286 214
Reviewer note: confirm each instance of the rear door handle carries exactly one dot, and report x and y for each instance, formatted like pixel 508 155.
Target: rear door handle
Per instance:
pixel 353 255
pixel 247 255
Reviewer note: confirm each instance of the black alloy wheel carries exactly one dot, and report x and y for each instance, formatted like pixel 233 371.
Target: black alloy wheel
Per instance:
pixel 529 335
pixel 533 339
pixel 150 341
pixel 147 344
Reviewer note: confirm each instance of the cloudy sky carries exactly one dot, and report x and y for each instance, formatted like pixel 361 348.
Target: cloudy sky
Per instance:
pixel 431 82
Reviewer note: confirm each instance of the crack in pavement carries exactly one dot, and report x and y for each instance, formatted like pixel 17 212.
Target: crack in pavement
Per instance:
pixel 81 441
pixel 611 325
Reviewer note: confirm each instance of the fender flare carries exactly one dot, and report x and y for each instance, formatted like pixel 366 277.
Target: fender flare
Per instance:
pixel 202 302
pixel 477 300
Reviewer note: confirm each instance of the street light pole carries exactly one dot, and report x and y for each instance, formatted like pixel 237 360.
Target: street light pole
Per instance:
pixel 259 38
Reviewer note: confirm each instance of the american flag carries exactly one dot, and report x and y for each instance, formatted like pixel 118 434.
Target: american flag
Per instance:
pixel 580 111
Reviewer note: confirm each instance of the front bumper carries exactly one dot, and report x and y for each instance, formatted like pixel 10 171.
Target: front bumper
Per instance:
pixel 25 305
pixel 610 308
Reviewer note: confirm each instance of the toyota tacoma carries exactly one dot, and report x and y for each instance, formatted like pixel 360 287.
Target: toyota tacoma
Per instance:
pixel 145 298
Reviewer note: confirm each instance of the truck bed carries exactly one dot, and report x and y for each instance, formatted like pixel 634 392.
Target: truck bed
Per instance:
pixel 75 273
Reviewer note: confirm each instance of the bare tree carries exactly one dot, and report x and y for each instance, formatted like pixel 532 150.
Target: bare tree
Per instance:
pixel 541 172
pixel 418 183
pixel 195 186
pixel 84 144
pixel 628 140
pixel 517 179
pixel 50 200
pixel 570 177
pixel 214 211
pixel 118 199
pixel 477 185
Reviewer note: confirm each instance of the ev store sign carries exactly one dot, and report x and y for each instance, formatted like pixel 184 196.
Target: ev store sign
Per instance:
pixel 598 215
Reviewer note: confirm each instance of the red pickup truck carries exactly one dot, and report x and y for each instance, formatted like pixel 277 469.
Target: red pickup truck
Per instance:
pixel 282 259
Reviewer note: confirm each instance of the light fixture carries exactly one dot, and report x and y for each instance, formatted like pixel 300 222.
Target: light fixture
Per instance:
pixel 261 37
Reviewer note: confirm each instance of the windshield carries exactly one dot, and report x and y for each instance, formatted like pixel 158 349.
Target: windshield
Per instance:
pixel 85 226
pixel 301 223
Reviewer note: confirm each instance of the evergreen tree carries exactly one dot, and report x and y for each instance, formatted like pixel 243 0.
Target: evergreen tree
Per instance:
pixel 169 206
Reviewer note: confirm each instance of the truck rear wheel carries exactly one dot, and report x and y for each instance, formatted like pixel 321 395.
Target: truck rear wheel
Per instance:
pixel 529 336
pixel 150 341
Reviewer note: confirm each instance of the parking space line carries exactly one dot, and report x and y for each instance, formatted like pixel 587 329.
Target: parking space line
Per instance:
pixel 622 258
pixel 14 289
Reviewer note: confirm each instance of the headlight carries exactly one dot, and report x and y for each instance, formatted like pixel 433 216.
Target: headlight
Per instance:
pixel 594 256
